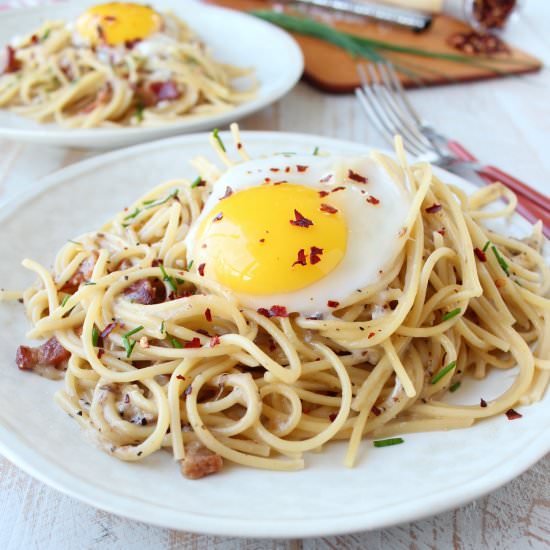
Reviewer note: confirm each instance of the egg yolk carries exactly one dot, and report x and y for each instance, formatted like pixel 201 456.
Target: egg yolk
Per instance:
pixel 117 23
pixel 271 239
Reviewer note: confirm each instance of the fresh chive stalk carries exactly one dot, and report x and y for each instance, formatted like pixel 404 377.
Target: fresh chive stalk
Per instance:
pixel 168 278
pixel 501 261
pixel 95 336
pixel 389 442
pixel 216 135
pixel 172 195
pixel 451 314
pixel 175 343
pixel 443 372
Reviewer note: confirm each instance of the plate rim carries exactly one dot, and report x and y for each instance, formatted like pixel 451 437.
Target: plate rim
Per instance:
pixel 21 453
pixel 127 136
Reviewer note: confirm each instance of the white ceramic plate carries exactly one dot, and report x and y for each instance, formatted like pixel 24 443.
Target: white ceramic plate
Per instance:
pixel 232 36
pixel 430 473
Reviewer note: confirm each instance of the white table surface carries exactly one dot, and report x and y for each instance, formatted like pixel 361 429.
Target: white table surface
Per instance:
pixel 504 122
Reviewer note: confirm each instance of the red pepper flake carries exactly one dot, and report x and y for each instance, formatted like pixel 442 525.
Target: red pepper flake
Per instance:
pixel 481 256
pixel 217 217
pixel 323 194
pixel 511 414
pixel 208 314
pixel 375 410
pixel 300 220
pixel 35 39
pixel 214 341
pixel 188 390
pixel 194 343
pixel 11 63
pixel 274 169
pixel 180 377
pixel 301 259
pixel 371 335
pixel 267 180
pixel 333 303
pixel 482 403
pixel 200 269
pixel 228 192
pixel 262 240
pixel 273 311
pixel 433 208
pixel 130 44
pixel 107 330
pixel 328 208
pixel 315 255
pixel 354 176
pixel 100 353
pixel 441 231
pixel 373 200
pixel 239 145
pixel 332 417
pixel 301 168
pixel 109 18
pixel 167 90
pixel 327 178
pixel 287 169
pixel 339 188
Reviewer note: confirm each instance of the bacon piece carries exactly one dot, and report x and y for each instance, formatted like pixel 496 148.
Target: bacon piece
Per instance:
pixel 481 256
pixel 333 303
pixel 157 91
pixel 146 292
pixel 273 311
pixel 82 274
pixel 50 354
pixel 200 461
pixel 194 343
pixel 10 63
pixel 433 208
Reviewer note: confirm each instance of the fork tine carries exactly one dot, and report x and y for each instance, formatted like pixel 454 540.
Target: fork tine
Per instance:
pixel 393 114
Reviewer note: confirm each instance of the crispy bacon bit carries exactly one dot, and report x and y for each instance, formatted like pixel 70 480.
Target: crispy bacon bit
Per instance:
pixel 50 353
pixel 481 256
pixel 100 353
pixel 333 303
pixel 107 330
pixel 82 274
pixel 339 188
pixel 301 168
pixel 332 417
pixel 301 259
pixel 300 220
pixel 218 217
pixel 373 200
pixel 328 208
pixel 393 304
pixel 482 403
pixel 375 410
pixel 208 314
pixel 511 414
pixel 273 311
pixel 163 91
pixel 327 178
pixel 433 208
pixel 228 192
pixel 315 255
pixel 214 341
pixel 441 231
pixel 371 335
pixel 323 194
pixel 35 39
pixel 194 343
pixel 200 269
pixel 200 461
pixel 354 176
pixel 146 292
pixel 180 377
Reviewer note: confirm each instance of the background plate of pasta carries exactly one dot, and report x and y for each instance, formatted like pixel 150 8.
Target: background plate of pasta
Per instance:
pixel 285 336
pixel 106 74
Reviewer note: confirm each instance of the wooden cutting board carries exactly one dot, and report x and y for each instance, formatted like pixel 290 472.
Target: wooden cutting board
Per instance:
pixel 334 70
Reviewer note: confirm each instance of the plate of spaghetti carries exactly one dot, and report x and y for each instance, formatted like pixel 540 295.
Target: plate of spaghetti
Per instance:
pixel 291 336
pixel 100 75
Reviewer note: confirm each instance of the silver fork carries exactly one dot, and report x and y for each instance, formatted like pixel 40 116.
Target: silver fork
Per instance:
pixel 389 109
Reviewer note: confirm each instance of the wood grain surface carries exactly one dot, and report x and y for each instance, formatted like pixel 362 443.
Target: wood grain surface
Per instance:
pixel 504 122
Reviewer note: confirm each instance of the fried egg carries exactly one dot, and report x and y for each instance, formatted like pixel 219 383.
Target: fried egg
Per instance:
pixel 303 232
pixel 118 23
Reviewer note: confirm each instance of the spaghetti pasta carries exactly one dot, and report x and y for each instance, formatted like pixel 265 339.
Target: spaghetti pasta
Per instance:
pixel 163 357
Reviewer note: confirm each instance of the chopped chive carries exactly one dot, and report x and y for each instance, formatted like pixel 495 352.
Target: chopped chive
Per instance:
pixel 140 107
pixel 163 327
pixel 443 372
pixel 455 386
pixel 451 314
pixel 129 345
pixel 75 242
pixel 180 281
pixel 89 283
pixel 197 182
pixel 216 135
pixel 389 442
pixel 172 195
pixel 175 343
pixel 486 246
pixel 316 151
pixel 95 337
pixel 190 265
pixel 150 201
pixel 132 215
pixel 168 278
pixel 65 299
pixel 46 34
pixel 501 261
pixel 133 331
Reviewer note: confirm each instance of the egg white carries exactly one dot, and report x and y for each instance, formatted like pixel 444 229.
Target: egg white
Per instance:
pixel 373 230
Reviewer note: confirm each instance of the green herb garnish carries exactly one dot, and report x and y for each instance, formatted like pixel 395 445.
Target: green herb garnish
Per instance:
pixel 389 442
pixel 134 214
pixel 190 265
pixel 129 345
pixel 316 151
pixel 175 343
pixel 65 299
pixel 455 386
pixel 180 281
pixel 486 246
pixel 95 337
pixel 140 107
pixel 216 135
pixel 451 314
pixel 89 283
pixel 163 327
pixel 75 242
pixel 197 182
pixel 133 331
pixel 501 261
pixel 46 34
pixel 168 278
pixel 443 372
pixel 172 195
